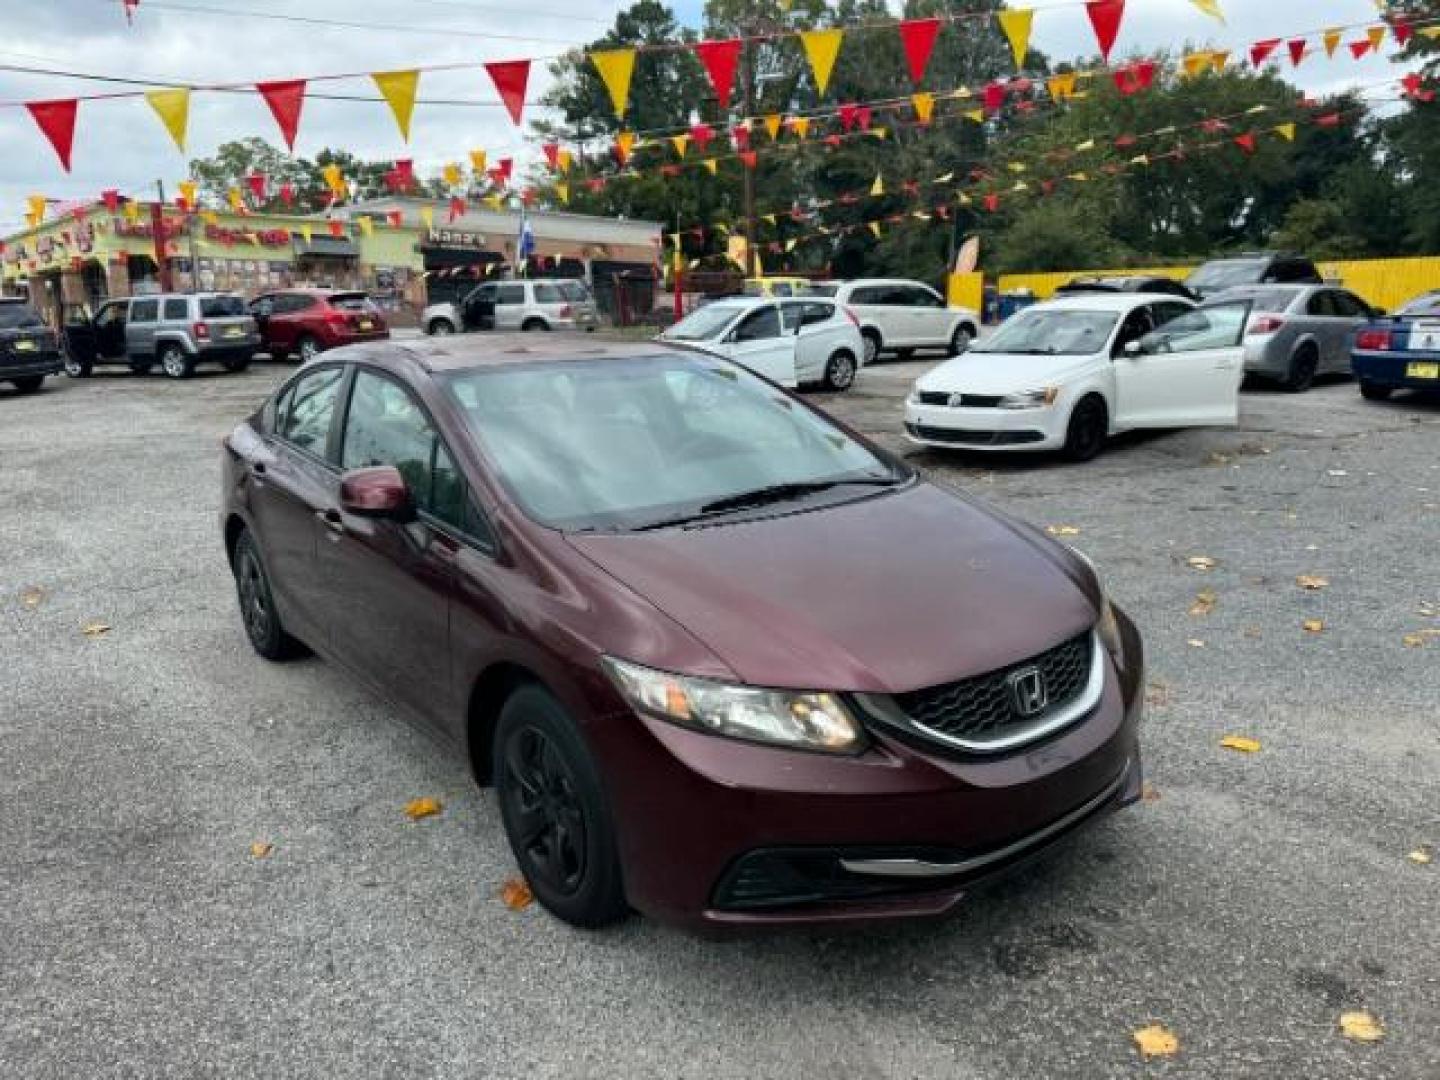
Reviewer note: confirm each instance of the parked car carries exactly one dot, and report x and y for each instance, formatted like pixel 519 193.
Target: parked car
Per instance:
pixel 178 331
pixel 1297 332
pixel 776 286
pixel 1145 283
pixel 306 322
pixel 1253 268
pixel 793 342
pixel 517 305
pixel 1068 373
pixel 1401 352
pixel 29 350
pixel 902 316
pixel 654 600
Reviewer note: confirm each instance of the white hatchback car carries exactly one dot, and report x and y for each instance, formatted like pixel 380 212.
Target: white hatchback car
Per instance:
pixel 1066 374
pixel 794 342
pixel 902 316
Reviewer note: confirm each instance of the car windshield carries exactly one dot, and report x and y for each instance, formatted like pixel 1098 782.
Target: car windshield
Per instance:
pixel 820 290
pixel 1422 305
pixel 625 444
pixel 1052 331
pixel 351 301
pixel 1271 300
pixel 704 323
pixel 221 307
pixel 18 317
pixel 1226 272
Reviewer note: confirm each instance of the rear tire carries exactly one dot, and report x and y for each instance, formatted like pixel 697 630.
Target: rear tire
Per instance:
pixel 28 384
pixel 872 346
pixel 257 604
pixel 175 363
pixel 555 812
pixel 840 371
pixel 76 368
pixel 440 328
pixel 1088 428
pixel 961 340
pixel 309 348
pixel 1303 366
pixel 530 325
pixel 1373 391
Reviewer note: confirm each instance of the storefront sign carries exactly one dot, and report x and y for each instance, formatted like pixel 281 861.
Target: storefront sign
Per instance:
pixel 263 237
pixel 142 230
pixel 451 238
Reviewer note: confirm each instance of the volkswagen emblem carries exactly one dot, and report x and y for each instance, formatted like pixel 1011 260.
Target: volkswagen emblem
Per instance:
pixel 1028 694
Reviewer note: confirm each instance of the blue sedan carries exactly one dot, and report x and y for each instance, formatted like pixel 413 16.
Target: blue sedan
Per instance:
pixel 1401 352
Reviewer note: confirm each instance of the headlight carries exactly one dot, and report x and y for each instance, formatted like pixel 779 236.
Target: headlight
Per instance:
pixel 1108 627
pixel 806 721
pixel 1031 399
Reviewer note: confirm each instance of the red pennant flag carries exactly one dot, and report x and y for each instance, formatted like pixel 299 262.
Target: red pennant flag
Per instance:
pixel 1124 142
pixel 596 183
pixel 847 116
pixel 287 193
pixel 552 155
pixel 994 96
pixel 1261 50
pixel 393 180
pixel 1105 16
pixel 56 120
pixel 700 135
pixel 1297 51
pixel 862 117
pixel 337 228
pixel 130 7
pixel 396 218
pixel 405 171
pixel 527 196
pixel 511 78
pixel 1359 48
pixel 256 182
pixel 719 59
pixel 741 134
pixel 831 140
pixel 1401 29
pixel 750 158
pixel 506 168
pixel 111 199
pixel 918 37
pixel 669 170
pixel 285 99
pixel 1246 142
pixel 992 203
pixel 457 207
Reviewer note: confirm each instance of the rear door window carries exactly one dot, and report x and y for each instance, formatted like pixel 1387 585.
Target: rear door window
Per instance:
pixel 176 310
pixel 548 294
pixel 144 311
pixel 759 325
pixel 1321 305
pixel 1349 306
pixel 574 291
pixel 221 307
pixel 510 294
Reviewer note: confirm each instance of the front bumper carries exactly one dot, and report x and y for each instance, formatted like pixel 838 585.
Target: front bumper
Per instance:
pixel 722 834
pixel 1389 369
pixel 985 429
pixel 23 365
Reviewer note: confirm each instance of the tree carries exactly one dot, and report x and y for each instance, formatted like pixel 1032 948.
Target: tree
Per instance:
pixel 234 161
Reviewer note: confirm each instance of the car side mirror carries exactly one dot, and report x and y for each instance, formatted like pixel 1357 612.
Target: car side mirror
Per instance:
pixel 379 492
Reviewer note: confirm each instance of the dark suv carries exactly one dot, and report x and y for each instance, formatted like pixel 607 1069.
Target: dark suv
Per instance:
pixel 29 349
pixel 1253 268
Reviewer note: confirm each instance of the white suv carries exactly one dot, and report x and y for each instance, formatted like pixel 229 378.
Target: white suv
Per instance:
pixel 902 316
pixel 558 304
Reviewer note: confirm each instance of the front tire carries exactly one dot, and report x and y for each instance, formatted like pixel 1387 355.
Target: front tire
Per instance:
pixel 872 346
pixel 556 816
pixel 960 341
pixel 1373 391
pixel 1088 428
pixel 1303 366
pixel 77 368
pixel 840 371
pixel 175 363
pixel 531 325
pixel 28 384
pixel 440 328
pixel 257 604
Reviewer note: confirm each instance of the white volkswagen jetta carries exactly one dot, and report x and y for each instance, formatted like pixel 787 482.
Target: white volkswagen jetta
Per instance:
pixel 1067 374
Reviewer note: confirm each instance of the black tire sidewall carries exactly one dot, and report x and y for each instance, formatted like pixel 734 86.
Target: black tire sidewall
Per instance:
pixel 1089 410
pixel 831 382
pixel 600 898
pixel 274 645
pixel 1303 367
pixel 187 365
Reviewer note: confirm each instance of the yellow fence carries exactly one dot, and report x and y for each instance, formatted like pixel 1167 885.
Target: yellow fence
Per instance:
pixel 966 290
pixel 1385 283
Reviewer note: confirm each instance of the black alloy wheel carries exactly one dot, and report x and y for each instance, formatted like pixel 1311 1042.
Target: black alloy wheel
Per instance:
pixel 840 371
pixel 257 604
pixel 75 367
pixel 1303 366
pixel 555 813
pixel 1089 425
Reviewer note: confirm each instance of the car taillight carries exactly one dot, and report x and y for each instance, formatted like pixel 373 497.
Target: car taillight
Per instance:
pixel 202 332
pixel 1373 340
pixel 851 316
pixel 1265 324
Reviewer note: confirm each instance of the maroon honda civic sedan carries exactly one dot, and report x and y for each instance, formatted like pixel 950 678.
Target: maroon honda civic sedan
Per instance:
pixel 725 661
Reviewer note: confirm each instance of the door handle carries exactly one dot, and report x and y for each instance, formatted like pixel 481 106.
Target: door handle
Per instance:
pixel 332 520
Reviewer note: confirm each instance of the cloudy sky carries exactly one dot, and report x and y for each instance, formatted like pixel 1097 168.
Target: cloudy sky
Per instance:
pixel 119 143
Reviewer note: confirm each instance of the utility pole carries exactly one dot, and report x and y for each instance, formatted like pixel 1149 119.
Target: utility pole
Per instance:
pixel 747 176
pixel 157 228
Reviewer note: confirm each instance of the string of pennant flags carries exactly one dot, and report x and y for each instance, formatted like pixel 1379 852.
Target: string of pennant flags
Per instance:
pixel 57 119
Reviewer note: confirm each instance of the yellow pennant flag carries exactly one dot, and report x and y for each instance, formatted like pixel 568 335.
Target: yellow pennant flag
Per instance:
pixel 1088 144
pixel 801 126
pixel 335 181
pixel 625 143
pixel 308 232
pixel 398 89
pixel 37 204
pixel 978 115
pixel 875 228
pixel 965 200
pixel 712 165
pixel 495 201
pixel 821 49
pixel 946 179
pixel 451 174
pixel 173 108
pixel 477 161
pixel 1016 166
pixel 1255 110
pixel 680 142
pixel 1286 132
pixel 1431 32
pixel 790 244
pixel 367 225
pixel 235 199
pixel 879 132
pixel 772 125
pixel 1194 63
pixel 924 106
pixel 1218 59
pixel 1078 177
pixel 920 215
pixel 878 187
pixel 1020 185
pixel 1016 23
pixel 132 211
pixel 769 219
pixel 209 217
pixel 1332 41
pixel 189 191
pixel 564 159
pixel 1140 159
pixel 1376 34
pixel 1061 87
pixel 1211 8
pixel 616 66
pixel 562 192
pixel 427 218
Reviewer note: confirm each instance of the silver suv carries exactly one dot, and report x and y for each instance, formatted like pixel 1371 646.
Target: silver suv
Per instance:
pixel 175 330
pixel 561 304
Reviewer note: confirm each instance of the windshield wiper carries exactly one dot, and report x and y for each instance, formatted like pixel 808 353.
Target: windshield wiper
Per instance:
pixel 764 496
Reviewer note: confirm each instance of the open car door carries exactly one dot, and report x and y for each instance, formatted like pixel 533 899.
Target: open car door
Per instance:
pixel 761 344
pixel 1186 372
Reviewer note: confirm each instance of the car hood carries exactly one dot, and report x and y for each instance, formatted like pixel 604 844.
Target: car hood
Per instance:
pixel 884 594
pixel 1002 373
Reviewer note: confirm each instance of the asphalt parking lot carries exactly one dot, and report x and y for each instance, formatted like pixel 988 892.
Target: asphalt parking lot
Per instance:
pixel 1246 904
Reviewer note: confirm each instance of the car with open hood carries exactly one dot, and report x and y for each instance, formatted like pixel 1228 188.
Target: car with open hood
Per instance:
pixel 655 601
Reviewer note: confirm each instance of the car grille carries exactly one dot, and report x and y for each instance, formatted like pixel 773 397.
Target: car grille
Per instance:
pixel 967 401
pixel 960 436
pixel 981 708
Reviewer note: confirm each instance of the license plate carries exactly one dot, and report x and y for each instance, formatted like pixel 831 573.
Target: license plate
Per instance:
pixel 1424 337
pixel 234 331
pixel 366 324
pixel 1423 371
pixel 24 346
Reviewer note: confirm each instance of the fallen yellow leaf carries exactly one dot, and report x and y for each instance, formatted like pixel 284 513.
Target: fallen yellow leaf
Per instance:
pixel 516 894
pixel 1413 641
pixel 1361 1026
pixel 1200 562
pixel 32 596
pixel 1423 855
pixel 1243 743
pixel 1149 792
pixel 1252 632
pixel 425 807
pixel 1204 602
pixel 1313 626
pixel 1062 530
pixel 1195 643
pixel 1156 1041
pixel 261 848
pixel 1311 582
pixel 95 629
pixel 1158 694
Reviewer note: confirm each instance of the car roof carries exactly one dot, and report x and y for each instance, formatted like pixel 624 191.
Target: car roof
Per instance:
pixel 1104 301
pixel 469 352
pixel 877 281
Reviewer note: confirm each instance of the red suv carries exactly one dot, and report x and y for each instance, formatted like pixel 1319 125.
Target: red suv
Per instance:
pixel 306 322
pixel 724 660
